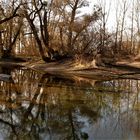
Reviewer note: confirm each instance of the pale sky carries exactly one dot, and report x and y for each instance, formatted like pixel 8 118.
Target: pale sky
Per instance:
pixel 113 5
pixel 112 14
pixel 111 18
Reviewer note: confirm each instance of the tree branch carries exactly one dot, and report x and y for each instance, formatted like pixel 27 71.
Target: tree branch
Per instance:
pixel 11 17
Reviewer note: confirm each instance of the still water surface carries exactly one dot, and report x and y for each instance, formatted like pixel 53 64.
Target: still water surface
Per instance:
pixel 52 107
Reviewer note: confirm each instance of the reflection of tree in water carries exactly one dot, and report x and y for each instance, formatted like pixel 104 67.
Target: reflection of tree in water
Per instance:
pixel 53 107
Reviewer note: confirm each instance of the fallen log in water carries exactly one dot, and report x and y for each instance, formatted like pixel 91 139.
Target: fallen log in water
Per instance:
pixel 124 67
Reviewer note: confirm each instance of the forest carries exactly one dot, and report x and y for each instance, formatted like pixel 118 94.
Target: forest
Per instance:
pixel 69 69
pixel 55 30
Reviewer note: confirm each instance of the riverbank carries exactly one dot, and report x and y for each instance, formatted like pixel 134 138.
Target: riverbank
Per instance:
pixel 122 69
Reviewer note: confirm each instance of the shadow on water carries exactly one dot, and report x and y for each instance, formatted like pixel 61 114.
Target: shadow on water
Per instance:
pixel 53 107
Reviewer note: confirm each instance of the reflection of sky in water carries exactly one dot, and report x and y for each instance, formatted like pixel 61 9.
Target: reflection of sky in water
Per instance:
pixel 111 126
pixel 51 107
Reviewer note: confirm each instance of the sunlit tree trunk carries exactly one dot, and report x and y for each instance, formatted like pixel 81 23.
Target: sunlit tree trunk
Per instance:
pixel 124 9
pixel 70 28
pixel 132 29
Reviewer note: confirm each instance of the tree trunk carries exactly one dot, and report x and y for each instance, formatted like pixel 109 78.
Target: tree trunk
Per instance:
pixel 8 52
pixel 1 45
pixel 70 34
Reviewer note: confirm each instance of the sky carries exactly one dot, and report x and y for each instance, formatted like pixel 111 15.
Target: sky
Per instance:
pixel 113 5
pixel 111 18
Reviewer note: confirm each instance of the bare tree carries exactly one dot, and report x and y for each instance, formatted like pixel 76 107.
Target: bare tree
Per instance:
pixel 9 17
pixel 103 24
pixel 132 27
pixel 10 27
pixel 124 8
pixel 37 14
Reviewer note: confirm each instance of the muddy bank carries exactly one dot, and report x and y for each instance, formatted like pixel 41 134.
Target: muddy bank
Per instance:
pixel 118 70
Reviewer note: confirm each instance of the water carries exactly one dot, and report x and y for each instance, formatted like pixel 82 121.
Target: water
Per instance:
pixel 53 107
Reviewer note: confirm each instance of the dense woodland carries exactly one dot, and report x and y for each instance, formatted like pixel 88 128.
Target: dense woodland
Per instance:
pixel 58 29
pixel 62 102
